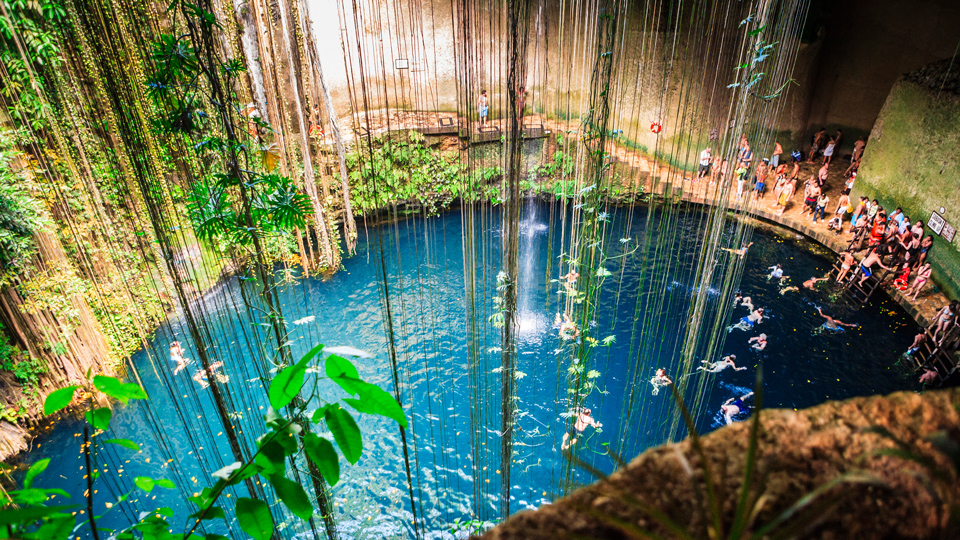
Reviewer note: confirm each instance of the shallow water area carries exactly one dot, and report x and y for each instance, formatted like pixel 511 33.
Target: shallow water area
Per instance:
pixel 447 356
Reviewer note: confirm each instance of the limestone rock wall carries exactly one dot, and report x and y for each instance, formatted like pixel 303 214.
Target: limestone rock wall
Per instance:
pixel 798 452
pixel 912 161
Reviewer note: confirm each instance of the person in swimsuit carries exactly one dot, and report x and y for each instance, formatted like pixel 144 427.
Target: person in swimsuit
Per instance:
pixel 923 274
pixel 835 325
pixel 584 420
pixel 746 323
pixel 929 376
pixel 759 342
pixel 945 318
pixel 846 263
pixel 810 200
pixel 785 195
pixel 734 406
pixel 483 107
pixel 660 380
pixel 812 282
pixel 717 367
pixel 176 355
pixel 776 272
pixel 202 376
pixel 918 341
pixel 866 265
pixel 925 244
pixel 741 252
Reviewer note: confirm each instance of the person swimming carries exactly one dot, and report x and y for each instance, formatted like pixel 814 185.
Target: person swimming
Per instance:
pixel 660 380
pixel 790 288
pixel 202 376
pixel 832 324
pixel 734 406
pixel 568 328
pixel 717 367
pixel 812 282
pixel 176 355
pixel 584 420
pixel 739 252
pixel 776 272
pixel 759 342
pixel 746 323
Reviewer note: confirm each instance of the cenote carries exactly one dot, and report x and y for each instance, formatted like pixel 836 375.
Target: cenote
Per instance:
pixel 448 361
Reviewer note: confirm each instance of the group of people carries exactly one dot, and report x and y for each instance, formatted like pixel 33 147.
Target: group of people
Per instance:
pixel 201 376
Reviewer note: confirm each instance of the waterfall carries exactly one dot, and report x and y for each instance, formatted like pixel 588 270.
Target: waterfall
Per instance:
pixel 529 320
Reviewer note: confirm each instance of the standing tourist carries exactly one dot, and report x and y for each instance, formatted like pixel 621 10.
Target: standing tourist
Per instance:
pixel 483 107
pixel 704 163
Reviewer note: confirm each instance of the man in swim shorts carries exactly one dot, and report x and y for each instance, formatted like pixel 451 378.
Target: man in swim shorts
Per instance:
pixel 866 265
pixel 734 406
pixel 834 324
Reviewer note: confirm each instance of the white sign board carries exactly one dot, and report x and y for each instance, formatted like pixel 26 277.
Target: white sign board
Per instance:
pixel 936 222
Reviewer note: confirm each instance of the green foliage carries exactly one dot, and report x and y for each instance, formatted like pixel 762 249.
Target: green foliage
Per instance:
pixel 21 214
pixel 284 440
pixel 59 399
pixel 402 170
pixel 32 26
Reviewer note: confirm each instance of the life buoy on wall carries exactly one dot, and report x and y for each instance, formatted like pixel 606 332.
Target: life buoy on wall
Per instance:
pixel 655 127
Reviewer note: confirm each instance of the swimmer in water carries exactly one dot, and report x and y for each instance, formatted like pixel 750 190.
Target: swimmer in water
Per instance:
pixel 176 355
pixel 776 272
pixel 734 406
pixel 759 342
pixel 660 380
pixel 717 367
pixel 812 282
pixel 570 280
pixel 791 288
pixel 584 420
pixel 568 328
pixel 202 376
pixel 929 376
pixel 746 323
pixel 739 252
pixel 833 324
pixel 745 301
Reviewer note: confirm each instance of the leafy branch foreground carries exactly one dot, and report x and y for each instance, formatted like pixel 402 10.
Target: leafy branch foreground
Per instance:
pixel 26 514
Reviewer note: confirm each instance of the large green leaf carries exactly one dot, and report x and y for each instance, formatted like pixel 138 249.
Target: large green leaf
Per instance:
pixel 34 470
pixel 320 451
pixel 144 483
pixel 29 515
pixel 342 372
pixel 126 443
pixel 254 518
pixel 286 385
pixel 112 387
pixel 271 458
pixel 98 418
pixel 58 399
pixel 345 432
pixel 375 400
pixel 293 495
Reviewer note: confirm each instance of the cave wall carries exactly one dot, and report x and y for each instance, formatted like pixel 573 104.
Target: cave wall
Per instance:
pixel 676 73
pixel 912 161
pixel 866 48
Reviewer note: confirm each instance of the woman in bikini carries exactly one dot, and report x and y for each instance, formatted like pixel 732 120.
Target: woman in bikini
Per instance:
pixel 923 274
pixel 846 263
pixel 945 318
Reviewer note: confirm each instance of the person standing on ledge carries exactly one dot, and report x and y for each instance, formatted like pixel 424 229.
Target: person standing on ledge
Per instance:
pixel 775 158
pixel 484 108
pixel 704 163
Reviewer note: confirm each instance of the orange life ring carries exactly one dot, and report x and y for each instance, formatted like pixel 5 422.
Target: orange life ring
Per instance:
pixel 656 127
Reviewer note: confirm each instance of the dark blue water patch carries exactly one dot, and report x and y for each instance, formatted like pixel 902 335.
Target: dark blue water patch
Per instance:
pixel 447 354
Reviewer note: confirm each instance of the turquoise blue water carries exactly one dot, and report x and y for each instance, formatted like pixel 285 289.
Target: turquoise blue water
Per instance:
pixel 452 399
